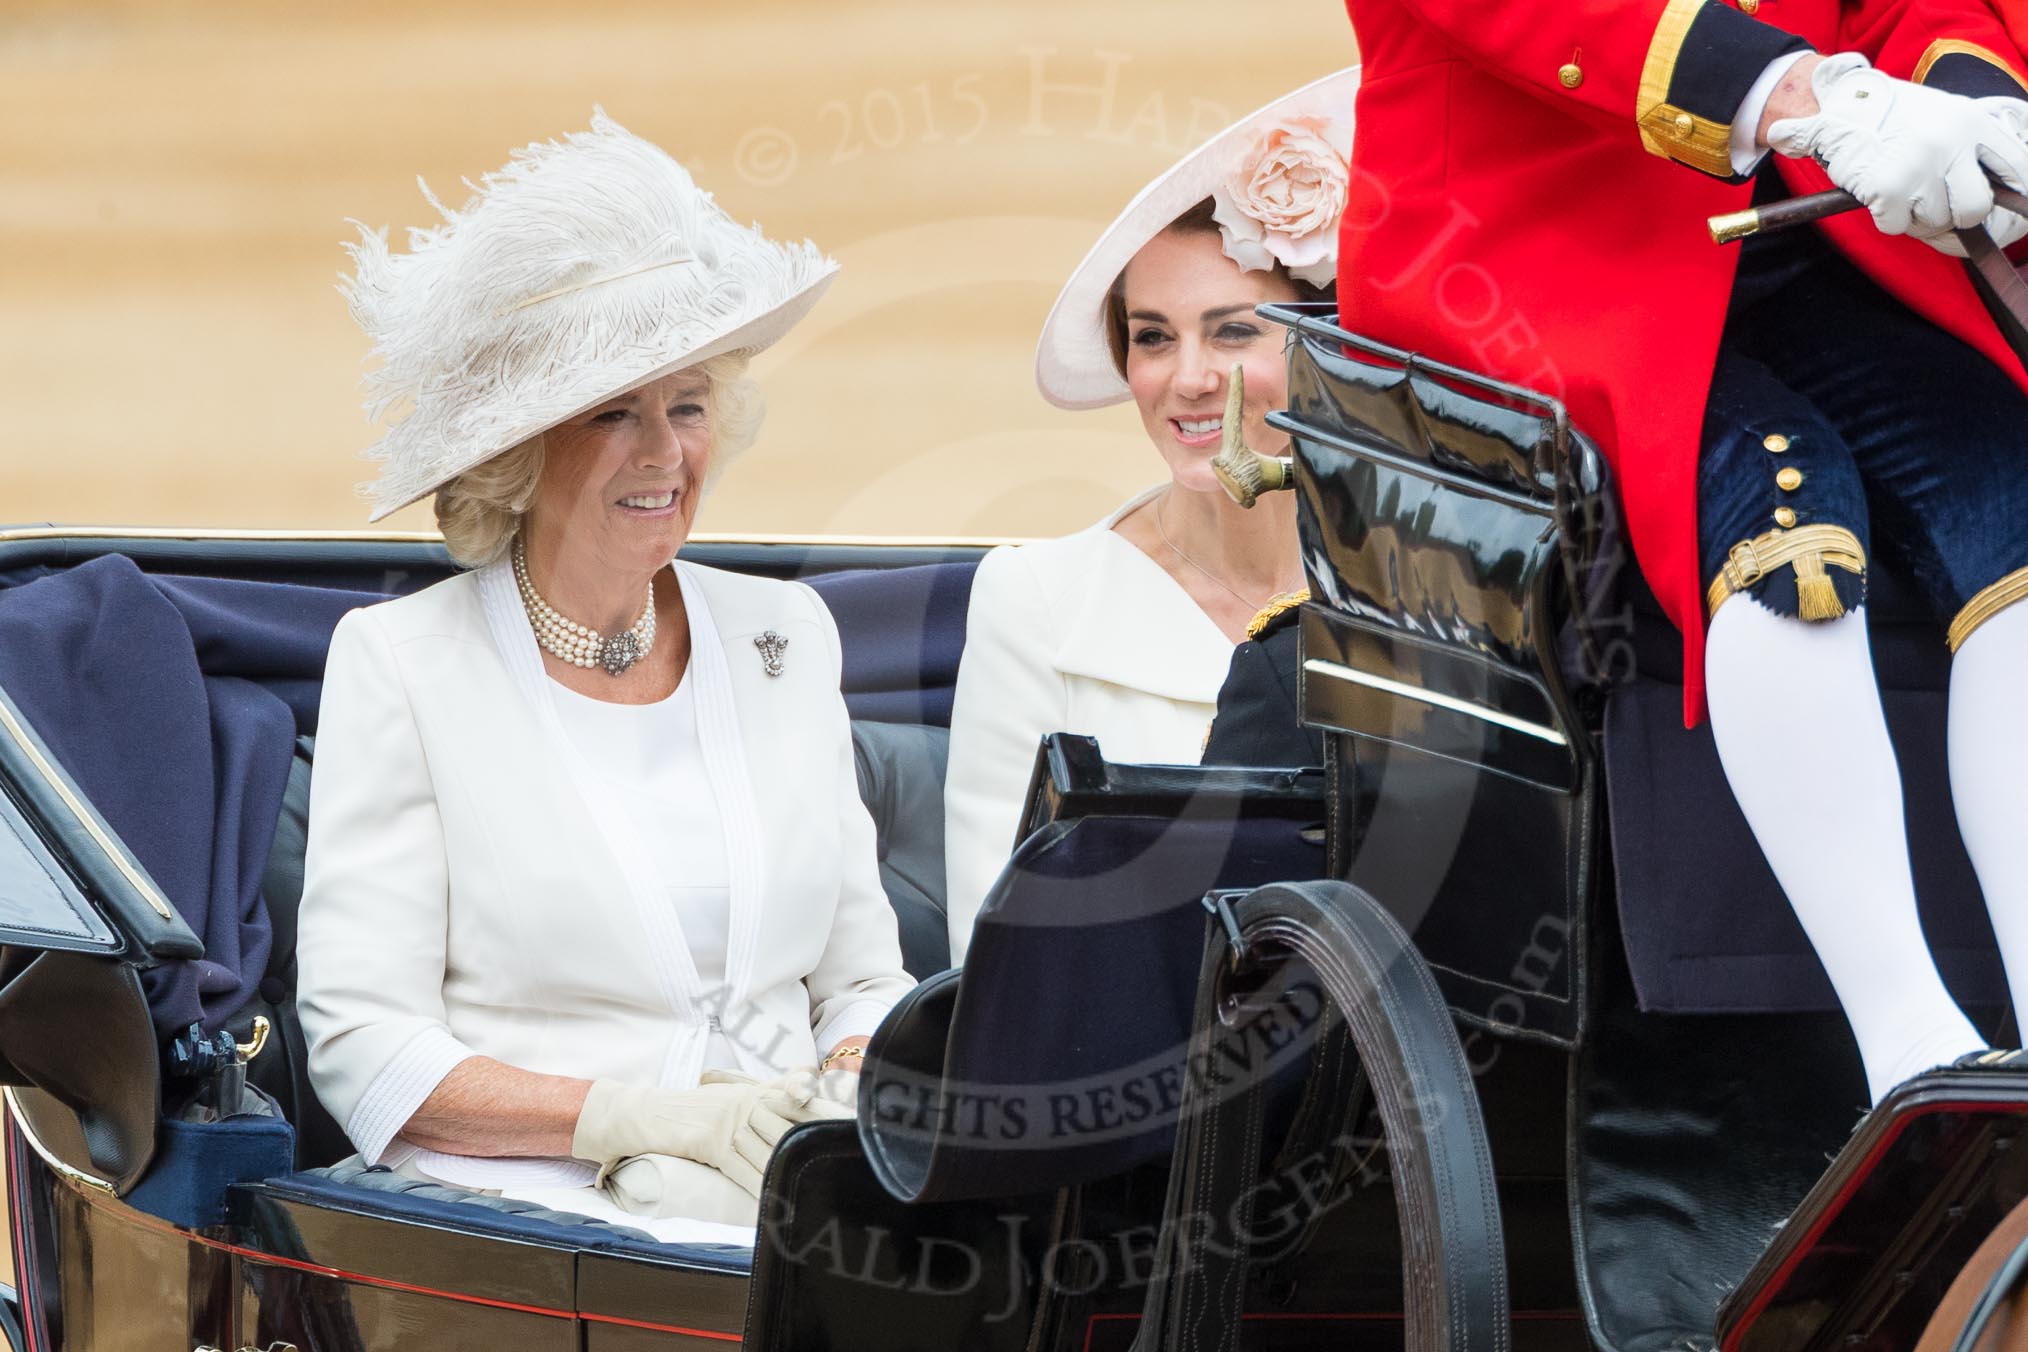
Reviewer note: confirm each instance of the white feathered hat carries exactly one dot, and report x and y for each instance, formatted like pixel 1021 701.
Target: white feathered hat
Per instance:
pixel 582 269
pixel 1278 179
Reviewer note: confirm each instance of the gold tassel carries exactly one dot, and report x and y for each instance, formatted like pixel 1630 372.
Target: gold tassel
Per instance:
pixel 1816 596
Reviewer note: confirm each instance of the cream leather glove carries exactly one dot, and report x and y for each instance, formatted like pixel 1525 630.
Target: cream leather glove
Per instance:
pixel 660 1186
pixel 832 1094
pixel 729 1122
pixel 1915 156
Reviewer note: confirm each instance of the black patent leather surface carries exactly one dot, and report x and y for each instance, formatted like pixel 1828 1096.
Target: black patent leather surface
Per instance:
pixel 1444 523
pixel 1451 528
pixel 74 1029
pixel 39 905
pixel 72 833
pixel 1866 1259
pixel 1489 874
pixel 1692 1139
pixel 841 1265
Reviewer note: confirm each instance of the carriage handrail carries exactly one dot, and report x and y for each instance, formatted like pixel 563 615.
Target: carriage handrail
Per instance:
pixel 1320 320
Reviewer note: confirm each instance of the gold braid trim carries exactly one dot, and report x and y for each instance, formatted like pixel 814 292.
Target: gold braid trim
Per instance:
pixel 1276 606
pixel 1667 130
pixel 1809 549
pixel 1943 47
pixel 1989 602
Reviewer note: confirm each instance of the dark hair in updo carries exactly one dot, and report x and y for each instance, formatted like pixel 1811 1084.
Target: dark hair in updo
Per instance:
pixel 1196 221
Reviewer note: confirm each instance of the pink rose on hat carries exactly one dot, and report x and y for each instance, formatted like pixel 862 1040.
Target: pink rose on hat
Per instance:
pixel 1283 203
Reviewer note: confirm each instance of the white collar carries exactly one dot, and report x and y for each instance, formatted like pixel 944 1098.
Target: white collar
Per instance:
pixel 1132 624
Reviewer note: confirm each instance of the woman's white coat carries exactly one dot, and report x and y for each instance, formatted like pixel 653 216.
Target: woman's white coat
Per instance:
pixel 462 896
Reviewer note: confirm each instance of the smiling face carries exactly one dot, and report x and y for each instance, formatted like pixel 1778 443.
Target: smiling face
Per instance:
pixel 621 482
pixel 1189 321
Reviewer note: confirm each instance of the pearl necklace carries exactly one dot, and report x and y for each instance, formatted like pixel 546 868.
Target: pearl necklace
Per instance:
pixel 580 645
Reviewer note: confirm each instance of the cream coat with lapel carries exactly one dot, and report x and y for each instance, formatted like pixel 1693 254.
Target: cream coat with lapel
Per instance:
pixel 1081 634
pixel 464 896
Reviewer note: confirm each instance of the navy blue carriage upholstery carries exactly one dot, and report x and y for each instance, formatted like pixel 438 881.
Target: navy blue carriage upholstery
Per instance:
pixel 391 1194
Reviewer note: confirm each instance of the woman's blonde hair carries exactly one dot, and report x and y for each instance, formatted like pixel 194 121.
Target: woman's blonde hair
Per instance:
pixel 480 511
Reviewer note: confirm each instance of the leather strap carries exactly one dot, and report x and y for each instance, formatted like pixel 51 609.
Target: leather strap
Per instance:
pixel 1453 1249
pixel 1199 1292
pixel 1997 282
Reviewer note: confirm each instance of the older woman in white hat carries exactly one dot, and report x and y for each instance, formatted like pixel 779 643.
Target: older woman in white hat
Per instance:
pixel 590 892
pixel 1124 631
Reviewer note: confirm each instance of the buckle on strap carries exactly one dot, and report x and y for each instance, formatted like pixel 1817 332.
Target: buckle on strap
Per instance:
pixel 1219 904
pixel 1751 560
pixel 1742 567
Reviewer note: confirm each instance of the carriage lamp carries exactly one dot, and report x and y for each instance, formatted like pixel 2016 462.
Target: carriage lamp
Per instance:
pixel 1244 472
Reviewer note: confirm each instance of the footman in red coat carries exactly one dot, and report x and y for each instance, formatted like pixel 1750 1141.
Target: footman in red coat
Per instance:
pixel 1530 187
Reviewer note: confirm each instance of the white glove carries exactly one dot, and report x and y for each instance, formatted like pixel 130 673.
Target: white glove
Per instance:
pixel 2003 225
pixel 1914 156
pixel 729 1122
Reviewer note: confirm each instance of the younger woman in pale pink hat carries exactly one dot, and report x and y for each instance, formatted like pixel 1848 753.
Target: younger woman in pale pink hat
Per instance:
pixel 1124 631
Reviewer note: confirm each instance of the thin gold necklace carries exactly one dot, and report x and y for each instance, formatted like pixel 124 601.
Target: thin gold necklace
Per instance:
pixel 1177 549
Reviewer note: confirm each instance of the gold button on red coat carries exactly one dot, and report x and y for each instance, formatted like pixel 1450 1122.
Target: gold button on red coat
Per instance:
pixel 1570 75
pixel 1749 6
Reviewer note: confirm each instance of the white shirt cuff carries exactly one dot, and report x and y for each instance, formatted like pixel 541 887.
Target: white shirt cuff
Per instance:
pixel 1746 156
pixel 858 1019
pixel 400 1088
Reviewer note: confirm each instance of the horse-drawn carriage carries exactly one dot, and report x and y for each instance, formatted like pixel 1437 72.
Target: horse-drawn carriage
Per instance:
pixel 1490 1031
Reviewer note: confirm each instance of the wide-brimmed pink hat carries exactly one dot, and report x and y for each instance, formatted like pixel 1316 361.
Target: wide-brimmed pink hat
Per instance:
pixel 1278 179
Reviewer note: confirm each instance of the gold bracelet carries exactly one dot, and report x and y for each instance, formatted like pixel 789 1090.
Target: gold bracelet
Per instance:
pixel 858 1053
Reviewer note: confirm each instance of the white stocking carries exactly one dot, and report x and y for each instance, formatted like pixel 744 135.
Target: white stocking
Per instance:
pixel 1989 756
pixel 1796 714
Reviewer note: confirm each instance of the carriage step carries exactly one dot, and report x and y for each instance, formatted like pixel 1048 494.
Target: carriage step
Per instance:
pixel 1867 1257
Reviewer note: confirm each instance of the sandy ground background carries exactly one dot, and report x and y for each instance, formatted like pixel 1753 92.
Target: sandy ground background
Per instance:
pixel 175 179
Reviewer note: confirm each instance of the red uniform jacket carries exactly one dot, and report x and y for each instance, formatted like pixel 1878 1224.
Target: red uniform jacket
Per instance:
pixel 1527 201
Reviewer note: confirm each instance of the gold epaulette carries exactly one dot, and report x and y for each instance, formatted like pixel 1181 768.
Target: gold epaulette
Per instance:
pixel 1809 549
pixel 1275 607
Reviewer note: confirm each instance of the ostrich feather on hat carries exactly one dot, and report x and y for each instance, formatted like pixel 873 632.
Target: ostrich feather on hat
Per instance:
pixel 582 269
